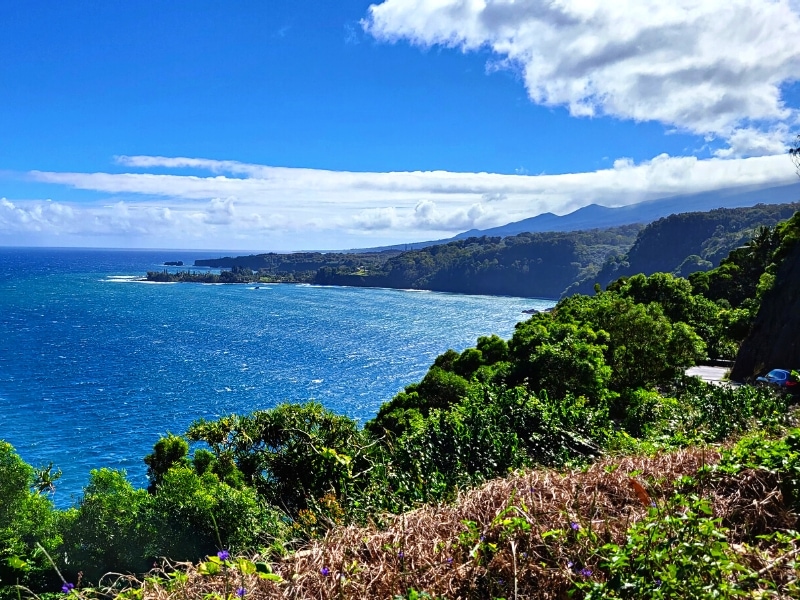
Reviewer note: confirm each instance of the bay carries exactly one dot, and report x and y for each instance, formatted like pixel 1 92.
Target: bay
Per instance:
pixel 95 366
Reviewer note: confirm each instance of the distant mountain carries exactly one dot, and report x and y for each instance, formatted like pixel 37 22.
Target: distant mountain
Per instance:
pixel 595 216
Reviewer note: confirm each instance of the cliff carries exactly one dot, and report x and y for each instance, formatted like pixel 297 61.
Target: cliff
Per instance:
pixel 684 243
pixel 773 339
pixel 529 264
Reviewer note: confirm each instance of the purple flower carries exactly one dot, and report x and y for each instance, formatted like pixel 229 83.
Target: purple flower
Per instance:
pixel 325 571
pixel 67 587
pixel 223 555
pixel 450 561
pixel 575 526
pixel 586 572
pixel 240 592
pixel 570 564
pixel 400 554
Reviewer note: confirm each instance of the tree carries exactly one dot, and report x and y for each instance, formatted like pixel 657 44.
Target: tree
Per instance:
pixel 26 518
pixel 641 351
pixel 107 531
pixel 191 515
pixel 168 451
pixel 494 349
pixel 44 479
pixel 673 294
pixel 292 454
pixel 642 348
pixel 558 358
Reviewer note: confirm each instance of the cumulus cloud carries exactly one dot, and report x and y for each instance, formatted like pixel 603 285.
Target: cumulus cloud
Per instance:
pixel 713 68
pixel 749 141
pixel 220 212
pixel 428 216
pixel 36 216
pixel 375 219
pixel 286 208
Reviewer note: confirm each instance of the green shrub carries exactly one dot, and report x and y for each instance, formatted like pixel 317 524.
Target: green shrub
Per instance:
pixel 678 551
pixel 488 433
pixel 27 518
pixel 782 456
pixel 191 516
pixel 108 530
pixel 168 451
pixel 290 455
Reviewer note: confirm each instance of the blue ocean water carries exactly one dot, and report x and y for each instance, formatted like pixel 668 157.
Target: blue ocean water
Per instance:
pixel 95 366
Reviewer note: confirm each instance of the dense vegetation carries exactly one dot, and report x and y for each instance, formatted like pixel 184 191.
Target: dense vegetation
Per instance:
pixel 300 266
pixel 685 243
pixel 597 376
pixel 234 275
pixel 528 264
pixel 540 264
pixel 551 264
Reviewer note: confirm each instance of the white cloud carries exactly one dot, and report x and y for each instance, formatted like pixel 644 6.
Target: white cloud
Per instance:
pixel 708 67
pixel 376 219
pixel 428 216
pixel 494 197
pixel 44 216
pixel 749 141
pixel 258 206
pixel 220 212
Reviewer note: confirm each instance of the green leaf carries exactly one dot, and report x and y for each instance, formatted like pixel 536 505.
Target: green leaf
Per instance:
pixel 246 567
pixel 551 532
pixel 262 567
pixel 15 562
pixel 209 568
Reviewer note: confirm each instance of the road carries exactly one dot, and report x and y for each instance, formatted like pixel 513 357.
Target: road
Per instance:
pixel 714 375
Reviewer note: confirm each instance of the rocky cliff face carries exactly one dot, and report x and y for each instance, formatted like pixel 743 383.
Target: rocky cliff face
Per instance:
pixel 774 340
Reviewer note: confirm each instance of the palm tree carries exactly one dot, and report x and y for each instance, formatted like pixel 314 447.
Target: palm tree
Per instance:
pixel 44 479
pixel 794 154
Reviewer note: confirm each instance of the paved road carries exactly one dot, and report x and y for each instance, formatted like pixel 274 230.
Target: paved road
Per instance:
pixel 714 375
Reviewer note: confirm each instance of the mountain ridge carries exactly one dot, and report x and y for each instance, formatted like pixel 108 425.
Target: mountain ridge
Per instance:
pixel 594 216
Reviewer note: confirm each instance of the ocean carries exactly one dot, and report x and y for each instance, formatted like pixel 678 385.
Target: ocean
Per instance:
pixel 96 366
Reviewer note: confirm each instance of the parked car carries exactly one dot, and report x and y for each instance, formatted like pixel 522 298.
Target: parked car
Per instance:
pixel 781 379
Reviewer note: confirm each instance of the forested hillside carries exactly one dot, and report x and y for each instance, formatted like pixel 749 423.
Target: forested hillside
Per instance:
pixel 549 265
pixel 299 266
pixel 688 242
pixel 529 264
pixel 774 339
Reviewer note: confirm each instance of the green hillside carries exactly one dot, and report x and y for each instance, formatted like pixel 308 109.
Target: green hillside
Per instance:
pixel 528 264
pixel 688 242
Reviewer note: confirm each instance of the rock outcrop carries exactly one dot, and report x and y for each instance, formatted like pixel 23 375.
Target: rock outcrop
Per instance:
pixel 774 339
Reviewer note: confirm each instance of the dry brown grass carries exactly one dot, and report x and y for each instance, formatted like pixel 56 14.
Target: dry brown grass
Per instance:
pixel 428 549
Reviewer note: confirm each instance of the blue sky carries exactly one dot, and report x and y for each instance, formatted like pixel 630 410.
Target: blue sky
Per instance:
pixel 295 125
